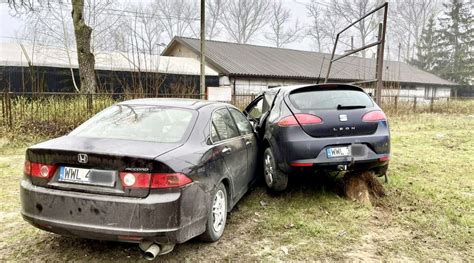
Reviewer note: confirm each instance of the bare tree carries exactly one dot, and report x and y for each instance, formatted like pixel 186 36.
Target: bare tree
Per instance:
pixel 332 24
pixel 146 29
pixel 82 32
pixel 243 18
pixel 315 30
pixel 281 33
pixel 67 39
pixel 178 17
pixel 214 9
pixel 325 24
pixel 52 25
pixel 411 16
pixel 85 57
pixel 98 15
pixel 351 10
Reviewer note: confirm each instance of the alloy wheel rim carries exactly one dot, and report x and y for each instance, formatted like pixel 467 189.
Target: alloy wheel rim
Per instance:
pixel 218 211
pixel 268 169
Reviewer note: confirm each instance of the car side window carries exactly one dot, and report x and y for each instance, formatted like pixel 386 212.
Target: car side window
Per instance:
pixel 257 110
pixel 224 125
pixel 214 135
pixel 242 123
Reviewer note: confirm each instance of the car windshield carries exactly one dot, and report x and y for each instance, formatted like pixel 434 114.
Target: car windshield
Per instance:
pixel 138 122
pixel 330 99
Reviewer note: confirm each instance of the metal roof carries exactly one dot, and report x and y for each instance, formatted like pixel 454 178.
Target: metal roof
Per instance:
pixel 11 54
pixel 259 61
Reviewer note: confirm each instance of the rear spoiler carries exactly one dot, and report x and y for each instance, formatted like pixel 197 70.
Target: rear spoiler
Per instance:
pixel 327 86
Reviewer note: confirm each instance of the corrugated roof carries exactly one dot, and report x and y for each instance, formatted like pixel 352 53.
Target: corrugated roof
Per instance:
pixel 260 61
pixel 11 54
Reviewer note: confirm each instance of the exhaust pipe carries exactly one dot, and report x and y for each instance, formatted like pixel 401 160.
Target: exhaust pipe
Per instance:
pixel 152 252
pixel 342 167
pixel 150 249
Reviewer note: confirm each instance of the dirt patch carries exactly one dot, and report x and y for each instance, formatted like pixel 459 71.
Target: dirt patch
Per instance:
pixel 380 236
pixel 238 241
pixel 363 187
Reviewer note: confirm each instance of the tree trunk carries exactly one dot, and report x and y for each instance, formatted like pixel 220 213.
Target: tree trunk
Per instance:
pixel 85 57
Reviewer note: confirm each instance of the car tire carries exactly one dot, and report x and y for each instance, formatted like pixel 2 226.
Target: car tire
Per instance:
pixel 217 217
pixel 275 179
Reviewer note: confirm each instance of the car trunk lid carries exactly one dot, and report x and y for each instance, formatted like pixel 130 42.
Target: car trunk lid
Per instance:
pixel 100 160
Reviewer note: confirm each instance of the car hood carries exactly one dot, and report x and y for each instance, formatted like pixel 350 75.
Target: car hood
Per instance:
pixel 116 147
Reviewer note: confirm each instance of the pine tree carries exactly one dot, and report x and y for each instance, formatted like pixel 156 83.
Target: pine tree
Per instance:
pixel 428 53
pixel 456 42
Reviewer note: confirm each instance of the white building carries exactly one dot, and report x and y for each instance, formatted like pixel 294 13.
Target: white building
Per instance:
pixel 251 69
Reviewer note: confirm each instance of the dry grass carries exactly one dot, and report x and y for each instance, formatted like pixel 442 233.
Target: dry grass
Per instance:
pixel 452 106
pixel 426 215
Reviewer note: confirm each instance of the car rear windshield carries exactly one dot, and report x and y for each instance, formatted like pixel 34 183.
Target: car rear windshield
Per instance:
pixel 138 122
pixel 330 99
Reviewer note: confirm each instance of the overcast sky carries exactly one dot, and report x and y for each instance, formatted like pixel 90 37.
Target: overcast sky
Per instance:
pixel 11 25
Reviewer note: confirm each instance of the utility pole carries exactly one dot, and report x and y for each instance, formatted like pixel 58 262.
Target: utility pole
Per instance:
pixel 202 86
pixel 381 47
pixel 399 53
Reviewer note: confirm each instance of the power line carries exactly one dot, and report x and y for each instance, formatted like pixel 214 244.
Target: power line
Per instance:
pixel 124 12
pixel 316 3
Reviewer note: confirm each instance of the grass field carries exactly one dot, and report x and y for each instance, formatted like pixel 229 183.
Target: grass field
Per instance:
pixel 427 215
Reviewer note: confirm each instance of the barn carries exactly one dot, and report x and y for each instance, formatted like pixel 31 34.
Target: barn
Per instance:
pixel 36 68
pixel 249 69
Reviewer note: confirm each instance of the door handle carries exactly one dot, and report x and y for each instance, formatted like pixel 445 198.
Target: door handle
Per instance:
pixel 247 142
pixel 226 150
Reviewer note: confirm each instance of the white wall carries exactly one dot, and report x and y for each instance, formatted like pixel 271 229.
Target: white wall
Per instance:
pixel 421 93
pixel 255 85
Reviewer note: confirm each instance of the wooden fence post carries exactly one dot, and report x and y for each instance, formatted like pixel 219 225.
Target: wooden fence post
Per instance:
pixel 396 104
pixel 9 110
pixel 414 104
pixel 4 108
pixel 431 103
pixel 89 103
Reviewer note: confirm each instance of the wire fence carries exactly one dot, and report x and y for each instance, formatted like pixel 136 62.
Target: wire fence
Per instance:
pixel 56 113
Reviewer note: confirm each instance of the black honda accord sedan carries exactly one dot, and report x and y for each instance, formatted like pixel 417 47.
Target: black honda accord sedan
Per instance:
pixel 152 171
pixel 325 127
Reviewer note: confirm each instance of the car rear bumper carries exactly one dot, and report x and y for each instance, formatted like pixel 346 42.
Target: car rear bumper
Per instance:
pixel 166 217
pixel 367 152
pixel 363 160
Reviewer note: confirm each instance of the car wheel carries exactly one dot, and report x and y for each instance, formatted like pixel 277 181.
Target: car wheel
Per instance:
pixel 217 215
pixel 275 179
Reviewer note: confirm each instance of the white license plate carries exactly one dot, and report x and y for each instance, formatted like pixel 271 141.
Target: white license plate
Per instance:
pixel 334 152
pixel 74 175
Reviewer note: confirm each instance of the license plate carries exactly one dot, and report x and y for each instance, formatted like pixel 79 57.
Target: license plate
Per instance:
pixel 87 176
pixel 334 152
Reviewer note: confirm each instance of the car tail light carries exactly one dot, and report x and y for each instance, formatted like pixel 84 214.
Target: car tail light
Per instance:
pixel 153 181
pixel 27 168
pixel 384 158
pixel 303 119
pixel 374 116
pixel 135 180
pixel 169 180
pixel 39 170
